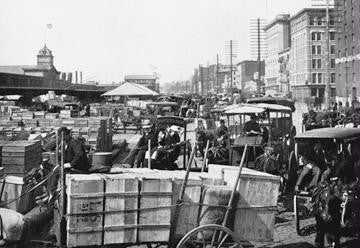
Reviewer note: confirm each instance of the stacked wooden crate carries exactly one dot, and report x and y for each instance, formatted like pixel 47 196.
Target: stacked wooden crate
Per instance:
pixel 19 157
pixel 121 203
pixel 68 113
pixel 85 206
pixel 136 206
pixel 30 122
pixel 51 115
pixel 2 144
pixel 39 114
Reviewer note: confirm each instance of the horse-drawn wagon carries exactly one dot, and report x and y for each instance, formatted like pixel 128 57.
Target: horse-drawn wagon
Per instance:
pixel 334 200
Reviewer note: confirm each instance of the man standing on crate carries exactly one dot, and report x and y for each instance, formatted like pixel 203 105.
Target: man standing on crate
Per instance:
pixel 75 156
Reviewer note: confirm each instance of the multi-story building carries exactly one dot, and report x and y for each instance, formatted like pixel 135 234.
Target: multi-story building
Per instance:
pixel 278 40
pixel 308 58
pixel 347 51
pixel 246 72
pixel 284 71
pixel 149 81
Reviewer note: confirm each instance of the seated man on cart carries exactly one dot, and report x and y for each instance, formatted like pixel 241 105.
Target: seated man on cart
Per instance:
pixel 222 134
pixel 252 127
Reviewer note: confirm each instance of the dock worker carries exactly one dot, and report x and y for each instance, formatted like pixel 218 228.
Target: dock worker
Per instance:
pixel 252 127
pixel 74 152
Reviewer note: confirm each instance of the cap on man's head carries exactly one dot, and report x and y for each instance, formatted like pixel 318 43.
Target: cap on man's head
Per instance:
pixel 147 124
pixel 222 121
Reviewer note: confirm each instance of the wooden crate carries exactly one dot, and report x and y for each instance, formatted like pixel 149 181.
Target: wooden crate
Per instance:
pixel 154 222
pixel 257 205
pixel 85 205
pixel 188 212
pixel 121 208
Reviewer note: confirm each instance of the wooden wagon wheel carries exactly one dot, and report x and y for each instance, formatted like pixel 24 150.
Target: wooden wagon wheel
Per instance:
pixel 291 172
pixel 209 236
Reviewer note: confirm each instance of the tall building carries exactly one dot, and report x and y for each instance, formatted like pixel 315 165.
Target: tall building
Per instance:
pixel 308 59
pixel 149 81
pixel 44 67
pixel 278 41
pixel 348 51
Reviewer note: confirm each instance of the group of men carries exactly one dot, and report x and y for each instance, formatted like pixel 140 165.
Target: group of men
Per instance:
pixel 160 146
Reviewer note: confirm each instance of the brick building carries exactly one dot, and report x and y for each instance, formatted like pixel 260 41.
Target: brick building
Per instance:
pixel 348 51
pixel 308 59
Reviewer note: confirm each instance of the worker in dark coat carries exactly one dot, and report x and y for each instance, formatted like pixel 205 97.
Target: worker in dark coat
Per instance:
pixel 222 133
pixel 142 145
pixel 252 127
pixel 74 152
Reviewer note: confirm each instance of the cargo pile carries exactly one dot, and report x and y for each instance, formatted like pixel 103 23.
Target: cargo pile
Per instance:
pixel 136 206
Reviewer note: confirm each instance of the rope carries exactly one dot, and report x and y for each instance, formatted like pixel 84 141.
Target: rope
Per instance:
pixel 33 188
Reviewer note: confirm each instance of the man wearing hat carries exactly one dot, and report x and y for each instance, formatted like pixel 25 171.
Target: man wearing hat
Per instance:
pixel 222 133
pixel 74 152
pixel 251 127
pixel 142 145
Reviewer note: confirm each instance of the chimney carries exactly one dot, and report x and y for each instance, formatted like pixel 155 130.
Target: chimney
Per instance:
pixel 81 77
pixel 69 77
pixel 76 77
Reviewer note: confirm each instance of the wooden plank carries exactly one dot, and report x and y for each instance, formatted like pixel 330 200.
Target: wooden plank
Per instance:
pixel 154 223
pixel 121 203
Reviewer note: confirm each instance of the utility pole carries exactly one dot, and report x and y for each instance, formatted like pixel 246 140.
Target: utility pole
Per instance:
pixel 231 68
pixel 258 45
pixel 217 73
pixel 347 85
pixel 201 79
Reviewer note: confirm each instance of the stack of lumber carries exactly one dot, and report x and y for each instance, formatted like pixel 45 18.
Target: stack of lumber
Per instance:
pixel 19 157
pixel 135 206
pixel 2 144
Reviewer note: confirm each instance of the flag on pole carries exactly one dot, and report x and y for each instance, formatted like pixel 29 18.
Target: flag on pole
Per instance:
pixel 49 26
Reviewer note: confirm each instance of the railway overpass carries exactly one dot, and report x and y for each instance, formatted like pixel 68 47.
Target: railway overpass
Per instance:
pixel 32 86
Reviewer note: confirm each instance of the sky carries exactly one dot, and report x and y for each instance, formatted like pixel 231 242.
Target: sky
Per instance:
pixel 108 39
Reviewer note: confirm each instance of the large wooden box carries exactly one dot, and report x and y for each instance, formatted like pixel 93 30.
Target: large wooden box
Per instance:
pixel 257 204
pixel 155 209
pixel 85 203
pixel 121 204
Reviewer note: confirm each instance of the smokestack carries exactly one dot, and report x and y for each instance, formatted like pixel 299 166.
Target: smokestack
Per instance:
pixel 69 77
pixel 76 77
pixel 63 76
pixel 81 77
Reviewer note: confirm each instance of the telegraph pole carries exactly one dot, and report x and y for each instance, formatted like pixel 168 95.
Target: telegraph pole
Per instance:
pixel 217 73
pixel 231 68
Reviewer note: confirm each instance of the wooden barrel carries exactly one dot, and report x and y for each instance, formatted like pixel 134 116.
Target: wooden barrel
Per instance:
pixel 100 159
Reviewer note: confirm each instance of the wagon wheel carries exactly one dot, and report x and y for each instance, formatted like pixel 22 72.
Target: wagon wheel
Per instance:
pixel 209 236
pixel 291 172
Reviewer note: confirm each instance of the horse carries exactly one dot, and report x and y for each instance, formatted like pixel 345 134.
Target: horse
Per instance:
pixel 336 209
